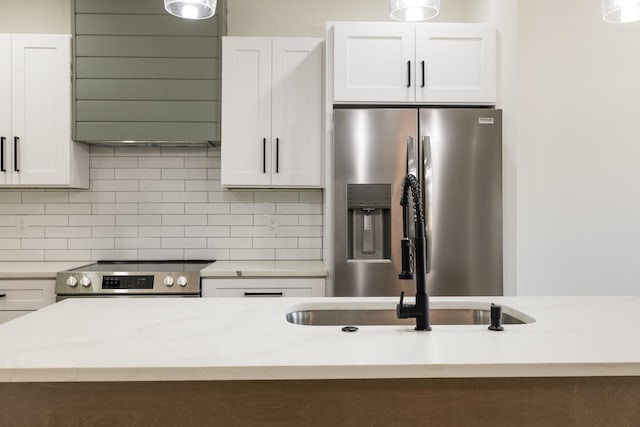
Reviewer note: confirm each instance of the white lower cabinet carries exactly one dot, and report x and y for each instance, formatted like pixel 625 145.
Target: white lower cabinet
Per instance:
pixel 263 287
pixel 22 296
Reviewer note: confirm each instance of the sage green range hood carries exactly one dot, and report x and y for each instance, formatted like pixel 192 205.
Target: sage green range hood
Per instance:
pixel 142 76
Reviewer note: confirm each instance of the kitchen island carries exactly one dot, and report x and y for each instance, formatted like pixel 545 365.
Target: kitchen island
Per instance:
pixel 236 361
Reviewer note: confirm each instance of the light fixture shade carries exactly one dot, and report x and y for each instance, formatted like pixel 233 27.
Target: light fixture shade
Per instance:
pixel 191 9
pixel 618 11
pixel 414 10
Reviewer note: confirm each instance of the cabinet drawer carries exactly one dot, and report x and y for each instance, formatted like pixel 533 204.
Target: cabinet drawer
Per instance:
pixel 22 295
pixel 263 287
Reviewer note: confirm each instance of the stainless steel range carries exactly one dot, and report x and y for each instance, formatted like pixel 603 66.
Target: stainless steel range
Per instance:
pixel 132 278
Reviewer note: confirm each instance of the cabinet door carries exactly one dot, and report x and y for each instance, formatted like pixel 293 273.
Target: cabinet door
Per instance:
pixel 5 108
pixel 374 62
pixel 263 287
pixel 41 107
pixel 297 112
pixel 458 61
pixel 246 112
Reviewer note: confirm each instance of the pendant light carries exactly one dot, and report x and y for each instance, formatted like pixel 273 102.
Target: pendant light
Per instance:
pixel 191 9
pixel 414 10
pixel 618 11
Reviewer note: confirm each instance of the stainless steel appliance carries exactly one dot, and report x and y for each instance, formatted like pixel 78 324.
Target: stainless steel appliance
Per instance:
pixel 132 278
pixel 456 153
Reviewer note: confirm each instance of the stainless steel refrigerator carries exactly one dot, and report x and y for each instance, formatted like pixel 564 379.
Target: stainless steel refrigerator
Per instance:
pixel 456 153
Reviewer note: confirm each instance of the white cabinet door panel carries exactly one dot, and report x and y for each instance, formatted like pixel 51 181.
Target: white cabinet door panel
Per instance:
pixel 459 63
pixel 5 109
pixel 297 112
pixel 246 112
pixel 374 62
pixel 263 287
pixel 41 98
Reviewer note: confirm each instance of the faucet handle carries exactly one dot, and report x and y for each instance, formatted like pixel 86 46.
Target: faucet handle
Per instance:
pixel 401 297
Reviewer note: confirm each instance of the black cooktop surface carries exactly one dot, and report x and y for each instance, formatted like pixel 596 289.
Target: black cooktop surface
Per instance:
pixel 145 266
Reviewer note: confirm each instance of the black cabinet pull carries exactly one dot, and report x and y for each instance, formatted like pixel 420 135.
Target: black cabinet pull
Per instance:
pixel 263 294
pixel 264 155
pixel 408 73
pixel 16 141
pixel 2 168
pixel 277 155
pixel 422 66
pixel 3 295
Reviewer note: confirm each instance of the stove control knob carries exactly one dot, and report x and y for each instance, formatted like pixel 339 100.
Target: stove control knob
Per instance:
pixel 85 281
pixel 168 281
pixel 182 281
pixel 72 281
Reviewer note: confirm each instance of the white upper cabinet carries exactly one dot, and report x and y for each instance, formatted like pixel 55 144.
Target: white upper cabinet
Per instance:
pixel 271 112
pixel 35 121
pixel 437 63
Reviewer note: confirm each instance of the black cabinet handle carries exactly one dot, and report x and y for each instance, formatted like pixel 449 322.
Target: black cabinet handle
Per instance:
pixel 3 295
pixel 16 141
pixel 263 294
pixel 277 155
pixel 408 73
pixel 422 66
pixel 2 168
pixel 264 155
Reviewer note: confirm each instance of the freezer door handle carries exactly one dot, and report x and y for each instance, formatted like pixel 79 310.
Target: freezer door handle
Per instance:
pixel 426 186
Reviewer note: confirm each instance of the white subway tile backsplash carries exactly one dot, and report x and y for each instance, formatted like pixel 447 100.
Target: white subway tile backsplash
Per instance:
pixel 120 231
pixel 41 197
pixel 159 202
pixel 114 209
pixel 12 244
pixel 184 243
pixel 298 254
pixel 120 185
pixel 92 197
pixel 67 208
pixel 11 197
pixel 207 208
pixel 208 231
pixel 69 232
pixel 22 255
pixel 21 209
pixel 66 255
pixel 138 219
pixel 184 174
pixel 161 162
pixel 92 243
pixel 182 197
pixel 138 174
pixel 184 220
pixel 162 231
pixel 162 185
pixel 138 243
pixel 138 197
pixel 92 220
pixel 161 208
pixel 43 244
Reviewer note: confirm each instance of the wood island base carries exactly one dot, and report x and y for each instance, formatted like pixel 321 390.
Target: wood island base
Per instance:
pixel 585 401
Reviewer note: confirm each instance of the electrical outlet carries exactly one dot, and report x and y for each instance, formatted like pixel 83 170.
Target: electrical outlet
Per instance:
pixel 21 226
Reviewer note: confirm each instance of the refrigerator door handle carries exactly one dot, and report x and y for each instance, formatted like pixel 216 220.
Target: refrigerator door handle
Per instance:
pixel 412 158
pixel 426 186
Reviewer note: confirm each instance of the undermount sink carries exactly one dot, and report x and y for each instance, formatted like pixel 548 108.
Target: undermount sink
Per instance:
pixel 441 313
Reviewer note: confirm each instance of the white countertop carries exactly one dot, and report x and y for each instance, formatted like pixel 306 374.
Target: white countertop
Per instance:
pixel 145 339
pixel 265 269
pixel 36 269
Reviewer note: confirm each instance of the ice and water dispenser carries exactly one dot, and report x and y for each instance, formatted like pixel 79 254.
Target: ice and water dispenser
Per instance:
pixel 369 221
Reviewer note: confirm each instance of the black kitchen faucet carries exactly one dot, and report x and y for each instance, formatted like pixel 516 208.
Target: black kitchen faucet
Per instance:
pixel 419 310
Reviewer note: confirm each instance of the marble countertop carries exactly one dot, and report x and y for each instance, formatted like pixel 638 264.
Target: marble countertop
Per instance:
pixel 36 269
pixel 154 339
pixel 265 269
